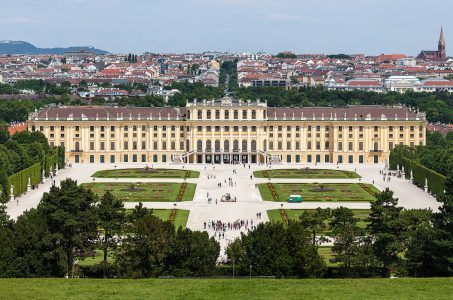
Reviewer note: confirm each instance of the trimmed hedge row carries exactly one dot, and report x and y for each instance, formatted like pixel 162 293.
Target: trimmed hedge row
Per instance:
pixel 20 179
pixel 436 181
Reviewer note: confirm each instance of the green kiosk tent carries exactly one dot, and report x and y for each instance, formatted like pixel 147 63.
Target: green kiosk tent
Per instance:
pixel 295 198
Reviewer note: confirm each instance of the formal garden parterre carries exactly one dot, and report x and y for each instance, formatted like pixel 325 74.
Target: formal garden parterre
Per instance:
pixel 145 192
pixel 323 192
pixel 146 172
pixel 306 173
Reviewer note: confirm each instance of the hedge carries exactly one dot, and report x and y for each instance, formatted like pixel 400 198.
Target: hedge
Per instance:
pixel 436 181
pixel 20 179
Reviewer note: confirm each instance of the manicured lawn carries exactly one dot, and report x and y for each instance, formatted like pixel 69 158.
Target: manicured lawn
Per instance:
pixel 181 216
pixel 96 259
pixel 144 192
pixel 147 173
pixel 330 192
pixel 294 214
pixel 399 288
pixel 305 173
pixel 326 254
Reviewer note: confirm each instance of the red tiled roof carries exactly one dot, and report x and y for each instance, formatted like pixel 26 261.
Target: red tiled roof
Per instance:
pixel 351 112
pixel 364 83
pixel 101 112
pixel 17 128
pixel 438 83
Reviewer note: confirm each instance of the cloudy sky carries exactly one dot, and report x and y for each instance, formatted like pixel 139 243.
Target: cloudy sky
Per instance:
pixel 315 26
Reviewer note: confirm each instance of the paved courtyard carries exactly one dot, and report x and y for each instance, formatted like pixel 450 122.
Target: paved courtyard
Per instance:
pixel 249 201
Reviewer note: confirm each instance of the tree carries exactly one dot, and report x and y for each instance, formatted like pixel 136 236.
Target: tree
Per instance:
pixel 71 218
pixel 315 221
pixel 36 253
pixel 273 249
pixel 139 212
pixel 143 252
pixel 349 242
pixel 193 253
pixel 386 229
pixel 111 217
pixel 15 147
pixel 4 133
pixel 430 252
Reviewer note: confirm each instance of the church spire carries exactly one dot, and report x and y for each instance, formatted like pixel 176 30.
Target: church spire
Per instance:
pixel 441 53
pixel 441 38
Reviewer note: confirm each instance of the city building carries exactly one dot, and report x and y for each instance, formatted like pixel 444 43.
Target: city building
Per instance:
pixel 228 130
pixel 440 54
pixel 402 84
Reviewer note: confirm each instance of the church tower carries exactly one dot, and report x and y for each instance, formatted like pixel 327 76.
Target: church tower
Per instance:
pixel 441 54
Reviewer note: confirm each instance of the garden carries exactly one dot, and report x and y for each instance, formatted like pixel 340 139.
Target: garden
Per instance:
pixel 146 172
pixel 326 192
pixel 145 192
pixel 306 173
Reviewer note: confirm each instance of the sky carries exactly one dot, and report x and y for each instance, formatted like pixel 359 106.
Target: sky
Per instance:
pixel 180 26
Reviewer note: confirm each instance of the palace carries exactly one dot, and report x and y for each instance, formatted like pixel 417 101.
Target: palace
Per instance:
pixel 228 130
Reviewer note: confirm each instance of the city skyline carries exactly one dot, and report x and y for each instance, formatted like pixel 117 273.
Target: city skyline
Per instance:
pixel 180 26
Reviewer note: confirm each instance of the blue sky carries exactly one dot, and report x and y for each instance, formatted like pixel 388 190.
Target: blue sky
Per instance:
pixel 315 26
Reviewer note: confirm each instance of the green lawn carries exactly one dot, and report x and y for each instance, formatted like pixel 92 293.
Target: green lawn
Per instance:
pixel 327 254
pixel 400 288
pixel 331 192
pixel 96 259
pixel 305 173
pixel 144 192
pixel 181 216
pixel 147 173
pixel 293 214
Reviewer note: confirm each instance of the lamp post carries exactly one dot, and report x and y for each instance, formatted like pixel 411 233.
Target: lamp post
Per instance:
pixel 233 267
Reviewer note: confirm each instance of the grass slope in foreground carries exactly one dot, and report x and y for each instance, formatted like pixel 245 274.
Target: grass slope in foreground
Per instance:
pixel 144 192
pixel 146 173
pixel 326 192
pixel 305 173
pixel 400 288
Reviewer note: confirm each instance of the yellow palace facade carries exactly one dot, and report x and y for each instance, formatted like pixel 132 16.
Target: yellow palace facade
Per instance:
pixel 228 130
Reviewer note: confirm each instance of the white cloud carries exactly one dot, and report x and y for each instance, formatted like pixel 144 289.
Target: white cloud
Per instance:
pixel 17 21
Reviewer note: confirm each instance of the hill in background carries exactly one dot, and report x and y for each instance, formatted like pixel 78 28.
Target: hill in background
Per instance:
pixel 21 47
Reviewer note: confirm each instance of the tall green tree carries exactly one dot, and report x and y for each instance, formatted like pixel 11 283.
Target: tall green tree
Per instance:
pixel 143 252
pixel 273 249
pixel 70 213
pixel 315 222
pixel 111 218
pixel 350 244
pixel 386 230
pixel 193 253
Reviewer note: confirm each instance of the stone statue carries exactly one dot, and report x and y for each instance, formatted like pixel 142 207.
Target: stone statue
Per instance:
pixel 426 185
pixel 11 193
pixel 43 177
pixel 28 185
pixel 412 176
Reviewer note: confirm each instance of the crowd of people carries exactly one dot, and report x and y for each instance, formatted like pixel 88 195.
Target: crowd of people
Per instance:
pixel 219 227
pixel 386 174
